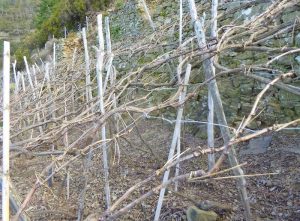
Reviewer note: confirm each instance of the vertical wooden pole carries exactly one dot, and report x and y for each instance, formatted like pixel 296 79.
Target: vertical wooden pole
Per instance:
pixel 73 88
pixel 99 70
pixel 54 56
pixel 34 76
pixel 180 25
pixel 87 67
pixel 65 32
pixel 109 54
pixel 107 35
pixel 111 73
pixel 177 169
pixel 23 81
pixel 6 131
pixel 214 90
pixel 210 117
pixel 87 23
pixel 16 77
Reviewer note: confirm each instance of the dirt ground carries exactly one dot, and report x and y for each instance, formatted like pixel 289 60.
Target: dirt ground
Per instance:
pixel 272 197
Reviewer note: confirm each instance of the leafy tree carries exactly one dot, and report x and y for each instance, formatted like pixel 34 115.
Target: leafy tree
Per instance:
pixel 44 12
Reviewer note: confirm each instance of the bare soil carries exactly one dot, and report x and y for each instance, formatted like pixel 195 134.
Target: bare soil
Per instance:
pixel 272 197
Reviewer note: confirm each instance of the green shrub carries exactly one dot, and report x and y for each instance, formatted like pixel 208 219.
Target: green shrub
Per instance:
pixel 19 54
pixel 53 15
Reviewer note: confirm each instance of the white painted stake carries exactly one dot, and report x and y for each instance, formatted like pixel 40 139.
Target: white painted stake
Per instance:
pixel 54 55
pixel 148 14
pixel 66 143
pixel 34 75
pixel 23 81
pixel 33 92
pixel 65 31
pixel 180 25
pixel 107 35
pixel 99 70
pixel 87 67
pixel 19 80
pixel 214 90
pixel 111 74
pixel 210 117
pixel 16 77
pixel 109 53
pixel 108 72
pixel 177 169
pixel 68 184
pixel 6 131
pixel 174 142
pixel 48 82
pixel 210 130
pixel 29 75
pixel 100 33
pixel 152 25
pixel 87 23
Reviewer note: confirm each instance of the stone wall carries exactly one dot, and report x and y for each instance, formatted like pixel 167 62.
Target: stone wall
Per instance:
pixel 238 92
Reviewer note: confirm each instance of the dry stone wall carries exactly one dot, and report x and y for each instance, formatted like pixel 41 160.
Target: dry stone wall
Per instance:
pixel 238 92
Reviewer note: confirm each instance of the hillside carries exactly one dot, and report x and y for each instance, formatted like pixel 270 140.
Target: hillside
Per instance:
pixel 158 111
pixel 16 21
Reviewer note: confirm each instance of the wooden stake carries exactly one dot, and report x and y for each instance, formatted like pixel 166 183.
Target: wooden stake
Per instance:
pixel 214 90
pixel 99 70
pixel 6 131
pixel 23 81
pixel 210 102
pixel 152 25
pixel 179 80
pixel 34 94
pixel 174 142
pixel 29 75
pixel 16 77
pixel 54 56
pixel 87 67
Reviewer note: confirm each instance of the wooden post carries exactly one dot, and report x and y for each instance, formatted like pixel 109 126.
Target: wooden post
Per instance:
pixel 23 81
pixel 34 76
pixel 107 35
pixel 54 56
pixel 16 77
pixel 29 76
pixel 99 70
pixel 87 23
pixel 214 90
pixel 65 32
pixel 109 54
pixel 177 169
pixel 33 92
pixel 148 15
pixel 87 67
pixel 176 134
pixel 6 131
pixel 210 102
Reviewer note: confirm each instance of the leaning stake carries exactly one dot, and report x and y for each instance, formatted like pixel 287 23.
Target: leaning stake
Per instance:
pixel 176 134
pixel 214 90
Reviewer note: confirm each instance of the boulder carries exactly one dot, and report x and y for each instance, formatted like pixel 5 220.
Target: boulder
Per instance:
pixel 258 145
pixel 195 214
